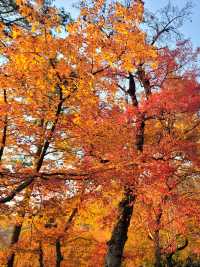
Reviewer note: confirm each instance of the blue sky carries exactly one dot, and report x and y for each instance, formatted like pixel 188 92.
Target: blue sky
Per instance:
pixel 190 30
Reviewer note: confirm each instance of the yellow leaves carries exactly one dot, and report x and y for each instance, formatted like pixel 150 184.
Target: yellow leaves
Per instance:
pixel 21 61
pixel 122 13
pixel 71 28
pixel 101 235
pixel 16 33
pixel 154 65
pixel 128 63
pixel 122 28
pixel 77 119
pixel 2 101
pixel 65 89
pixel 84 12
pixel 132 15
pixel 119 9
pixel 35 26
pixel 182 126
pixel 29 100
pixel 108 57
pixel 66 146
pixel 140 10
pixel 59 29
pixel 20 2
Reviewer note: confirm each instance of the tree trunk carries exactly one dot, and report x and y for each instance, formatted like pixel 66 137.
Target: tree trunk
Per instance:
pixel 41 255
pixel 119 234
pixel 158 260
pixel 59 257
pixel 120 231
pixel 4 132
pixel 18 228
pixel 169 260
pixel 14 240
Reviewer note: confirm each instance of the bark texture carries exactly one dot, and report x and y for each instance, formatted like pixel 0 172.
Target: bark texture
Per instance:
pixel 119 235
pixel 14 240
pixel 41 255
pixel 4 132
pixel 59 257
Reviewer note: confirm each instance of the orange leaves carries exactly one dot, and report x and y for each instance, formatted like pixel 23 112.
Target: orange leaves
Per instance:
pixel 35 26
pixel 116 40
pixel 70 126
pixel 21 2
pixel 132 14
pixel 15 33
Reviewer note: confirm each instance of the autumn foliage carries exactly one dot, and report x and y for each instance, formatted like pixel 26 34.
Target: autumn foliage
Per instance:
pixel 99 137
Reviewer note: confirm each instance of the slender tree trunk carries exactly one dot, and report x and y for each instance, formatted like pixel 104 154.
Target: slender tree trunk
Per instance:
pixel 3 141
pixel 169 260
pixel 59 257
pixel 158 258
pixel 119 234
pixel 41 255
pixel 4 132
pixel 18 228
pixel 14 240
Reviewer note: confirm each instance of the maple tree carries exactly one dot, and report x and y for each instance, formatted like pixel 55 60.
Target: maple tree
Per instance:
pixel 93 110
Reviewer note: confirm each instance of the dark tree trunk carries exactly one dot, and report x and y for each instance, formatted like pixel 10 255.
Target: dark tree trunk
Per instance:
pixel 132 90
pixel 119 234
pixel 11 259
pixel 169 257
pixel 5 126
pixel 17 231
pixel 158 258
pixel 139 141
pixel 14 240
pixel 169 260
pixel 41 255
pixel 59 257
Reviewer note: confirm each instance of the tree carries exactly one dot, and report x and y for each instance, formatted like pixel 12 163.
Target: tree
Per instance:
pixel 33 123
pixel 90 106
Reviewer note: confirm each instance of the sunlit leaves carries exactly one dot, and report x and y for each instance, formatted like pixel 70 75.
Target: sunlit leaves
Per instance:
pixel 69 122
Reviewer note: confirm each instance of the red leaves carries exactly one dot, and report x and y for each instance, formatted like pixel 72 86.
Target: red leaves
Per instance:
pixel 176 96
